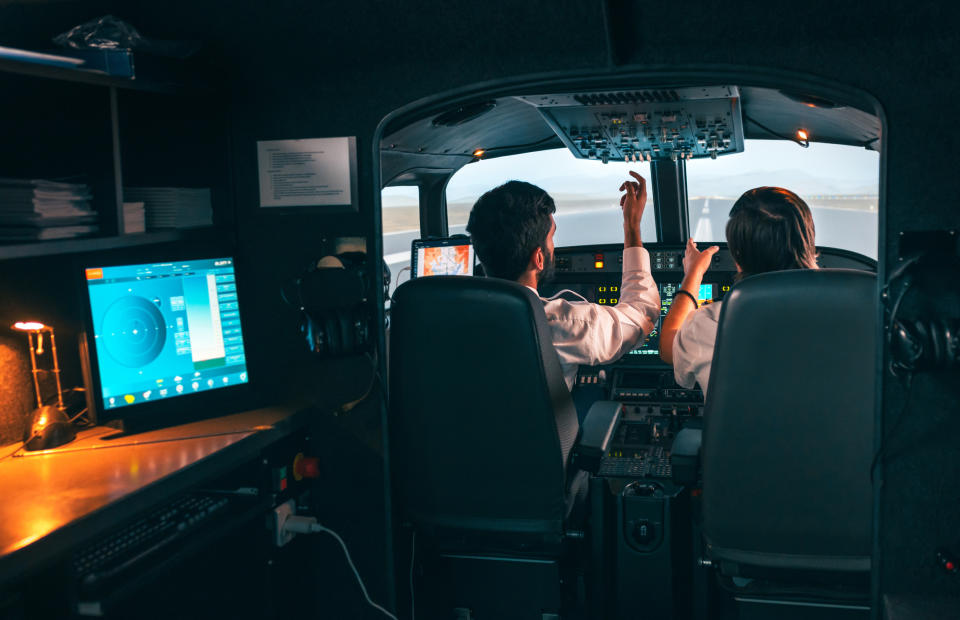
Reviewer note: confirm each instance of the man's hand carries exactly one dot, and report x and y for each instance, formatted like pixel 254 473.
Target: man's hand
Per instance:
pixel 696 263
pixel 633 202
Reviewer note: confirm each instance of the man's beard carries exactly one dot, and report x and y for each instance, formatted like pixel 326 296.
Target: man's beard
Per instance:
pixel 547 272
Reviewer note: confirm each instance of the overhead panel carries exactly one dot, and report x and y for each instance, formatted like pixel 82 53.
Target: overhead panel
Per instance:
pixel 643 125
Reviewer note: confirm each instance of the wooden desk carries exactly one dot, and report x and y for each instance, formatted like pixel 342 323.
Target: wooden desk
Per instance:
pixel 53 500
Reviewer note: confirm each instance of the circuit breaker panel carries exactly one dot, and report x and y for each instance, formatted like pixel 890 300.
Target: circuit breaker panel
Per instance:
pixel 643 125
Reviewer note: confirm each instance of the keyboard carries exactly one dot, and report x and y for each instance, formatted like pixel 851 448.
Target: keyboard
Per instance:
pixel 144 537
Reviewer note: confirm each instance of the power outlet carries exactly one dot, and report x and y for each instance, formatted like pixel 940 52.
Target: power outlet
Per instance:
pixel 280 515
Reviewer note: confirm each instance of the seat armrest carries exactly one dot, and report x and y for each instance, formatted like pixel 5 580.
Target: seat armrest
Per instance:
pixel 596 433
pixel 685 456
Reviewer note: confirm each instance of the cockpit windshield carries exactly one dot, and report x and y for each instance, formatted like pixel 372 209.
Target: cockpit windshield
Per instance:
pixel 839 183
pixel 585 192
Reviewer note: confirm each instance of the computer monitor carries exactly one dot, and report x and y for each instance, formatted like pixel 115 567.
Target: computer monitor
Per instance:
pixel 163 331
pixel 449 256
pixel 650 350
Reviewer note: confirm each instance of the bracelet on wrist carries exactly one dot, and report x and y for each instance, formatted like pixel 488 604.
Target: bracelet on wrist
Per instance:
pixel 696 303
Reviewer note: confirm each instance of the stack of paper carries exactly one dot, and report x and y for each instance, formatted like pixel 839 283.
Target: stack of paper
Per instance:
pixel 39 209
pixel 173 207
pixel 134 217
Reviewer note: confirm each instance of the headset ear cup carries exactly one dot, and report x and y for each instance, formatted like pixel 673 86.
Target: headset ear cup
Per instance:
pixel 908 345
pixel 934 343
pixel 360 330
pixel 312 332
pixel 336 337
pixel 952 340
pixel 344 324
pixel 943 336
pixel 305 329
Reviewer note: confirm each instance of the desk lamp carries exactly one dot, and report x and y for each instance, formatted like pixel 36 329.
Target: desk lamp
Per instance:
pixel 49 426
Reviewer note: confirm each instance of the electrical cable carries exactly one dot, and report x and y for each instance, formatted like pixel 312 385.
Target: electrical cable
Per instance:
pixel 283 295
pixel 895 366
pixel 897 274
pixel 375 375
pixel 363 588
pixel 133 440
pixel 566 290
pixel 887 436
pixel 308 525
pixel 396 279
pixel 82 411
pixel 804 143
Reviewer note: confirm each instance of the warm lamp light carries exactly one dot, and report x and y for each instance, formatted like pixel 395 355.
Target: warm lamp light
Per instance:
pixel 479 153
pixel 803 137
pixel 49 425
pixel 29 326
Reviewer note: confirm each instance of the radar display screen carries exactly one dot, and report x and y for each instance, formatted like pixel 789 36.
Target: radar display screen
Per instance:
pixel 162 330
pixel 451 256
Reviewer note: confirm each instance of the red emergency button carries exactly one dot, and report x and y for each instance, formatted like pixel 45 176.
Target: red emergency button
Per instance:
pixel 305 467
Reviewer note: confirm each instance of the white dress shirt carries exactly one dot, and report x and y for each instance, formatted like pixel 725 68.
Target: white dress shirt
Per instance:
pixel 591 334
pixel 693 347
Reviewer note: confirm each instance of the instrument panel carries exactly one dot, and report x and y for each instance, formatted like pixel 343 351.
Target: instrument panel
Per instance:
pixel 655 408
pixel 595 272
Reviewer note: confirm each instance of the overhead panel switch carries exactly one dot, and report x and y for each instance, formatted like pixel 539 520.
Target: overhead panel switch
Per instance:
pixel 643 125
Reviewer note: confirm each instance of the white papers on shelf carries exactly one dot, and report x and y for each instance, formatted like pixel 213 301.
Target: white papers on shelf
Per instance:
pixel 134 217
pixel 173 207
pixel 36 209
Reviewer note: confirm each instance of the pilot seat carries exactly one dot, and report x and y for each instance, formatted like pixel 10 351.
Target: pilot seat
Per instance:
pixel 489 463
pixel 788 442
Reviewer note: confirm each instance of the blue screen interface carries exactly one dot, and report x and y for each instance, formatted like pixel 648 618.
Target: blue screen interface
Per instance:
pixel 163 330
pixel 609 294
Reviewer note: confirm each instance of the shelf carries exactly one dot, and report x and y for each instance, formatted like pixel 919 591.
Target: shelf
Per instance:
pixel 84 76
pixel 93 244
pixel 111 131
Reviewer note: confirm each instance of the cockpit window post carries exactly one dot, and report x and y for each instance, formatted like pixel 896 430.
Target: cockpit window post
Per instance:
pixel 433 207
pixel 669 180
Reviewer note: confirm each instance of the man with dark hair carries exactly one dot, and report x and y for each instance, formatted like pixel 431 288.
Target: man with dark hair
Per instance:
pixel 512 228
pixel 770 229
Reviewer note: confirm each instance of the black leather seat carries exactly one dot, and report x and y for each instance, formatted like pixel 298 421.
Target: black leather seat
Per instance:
pixel 483 442
pixel 788 438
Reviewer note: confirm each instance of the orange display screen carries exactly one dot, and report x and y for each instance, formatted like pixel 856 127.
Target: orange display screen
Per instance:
pixel 444 259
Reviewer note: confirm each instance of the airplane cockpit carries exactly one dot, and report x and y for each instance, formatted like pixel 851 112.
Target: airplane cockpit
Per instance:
pixel 642 551
pixel 442 311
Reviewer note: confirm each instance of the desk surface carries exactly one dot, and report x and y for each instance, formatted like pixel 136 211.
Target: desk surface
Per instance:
pixel 58 498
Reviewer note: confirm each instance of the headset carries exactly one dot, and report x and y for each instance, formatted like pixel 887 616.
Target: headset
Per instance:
pixel 926 344
pixel 919 344
pixel 332 295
